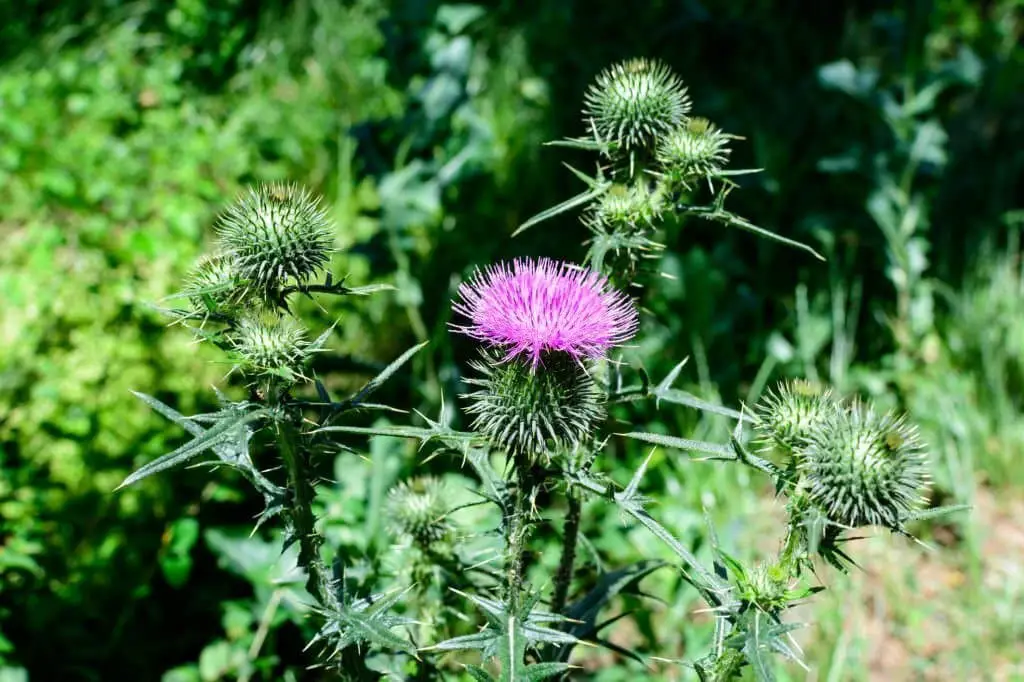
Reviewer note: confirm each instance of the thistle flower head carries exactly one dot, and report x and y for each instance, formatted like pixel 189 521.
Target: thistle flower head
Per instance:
pixel 535 306
pixel 271 345
pixel 527 411
pixel 789 415
pixel 276 232
pixel 634 102
pixel 865 468
pixel 213 285
pixel 417 509
pixel 694 149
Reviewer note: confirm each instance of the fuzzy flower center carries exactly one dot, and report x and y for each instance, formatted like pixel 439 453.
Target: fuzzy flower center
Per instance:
pixel 532 306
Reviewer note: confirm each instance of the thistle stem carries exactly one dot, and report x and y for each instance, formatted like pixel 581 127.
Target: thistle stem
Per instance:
pixel 515 541
pixel 563 578
pixel 301 493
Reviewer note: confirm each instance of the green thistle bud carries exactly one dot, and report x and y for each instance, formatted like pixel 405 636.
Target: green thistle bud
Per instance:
pixel 417 509
pixel 271 345
pixel 634 102
pixel 695 149
pixel 765 587
pixel 863 468
pixel 274 233
pixel 632 208
pixel 527 411
pixel 788 415
pixel 213 285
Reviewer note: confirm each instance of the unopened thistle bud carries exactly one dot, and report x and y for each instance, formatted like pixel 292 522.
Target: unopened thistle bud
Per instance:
pixel 695 149
pixel 276 233
pixel 416 509
pixel 863 468
pixel 627 208
pixel 788 415
pixel 213 286
pixel 765 587
pixel 271 345
pixel 533 411
pixel 634 102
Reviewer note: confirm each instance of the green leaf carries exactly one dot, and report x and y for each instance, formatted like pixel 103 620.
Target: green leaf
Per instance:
pixel 684 444
pixel 925 514
pixel 222 431
pixel 511 651
pixel 376 382
pixel 479 674
pixel 477 641
pixel 608 586
pixel 584 143
pixel 717 213
pixel 678 397
pixel 764 636
pixel 542 671
pixel 567 205
pixel 370 628
pixel 630 502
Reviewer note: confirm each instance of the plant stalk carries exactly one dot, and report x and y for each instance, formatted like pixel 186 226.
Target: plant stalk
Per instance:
pixel 319 581
pixel 570 536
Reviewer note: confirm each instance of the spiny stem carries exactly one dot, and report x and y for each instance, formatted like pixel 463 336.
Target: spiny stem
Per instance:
pixel 563 578
pixel 515 541
pixel 301 493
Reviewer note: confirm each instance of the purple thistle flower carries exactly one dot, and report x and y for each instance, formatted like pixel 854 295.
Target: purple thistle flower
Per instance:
pixel 533 306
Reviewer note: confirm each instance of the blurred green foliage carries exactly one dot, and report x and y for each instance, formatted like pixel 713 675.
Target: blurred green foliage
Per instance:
pixel 890 138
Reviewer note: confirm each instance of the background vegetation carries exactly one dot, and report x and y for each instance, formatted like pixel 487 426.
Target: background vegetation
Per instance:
pixel 891 141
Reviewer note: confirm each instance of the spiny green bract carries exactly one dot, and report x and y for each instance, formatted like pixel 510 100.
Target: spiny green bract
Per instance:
pixel 865 468
pixel 694 150
pixel 634 102
pixel 213 286
pixel 275 233
pixel 417 509
pixel 790 414
pixel 632 208
pixel 271 345
pixel 533 412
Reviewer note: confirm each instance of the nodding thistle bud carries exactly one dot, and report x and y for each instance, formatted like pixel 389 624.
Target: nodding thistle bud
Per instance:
pixel 634 102
pixel 416 509
pixel 863 468
pixel 789 415
pixel 276 232
pixel 631 208
pixel 693 150
pixel 271 345
pixel 212 285
pixel 531 412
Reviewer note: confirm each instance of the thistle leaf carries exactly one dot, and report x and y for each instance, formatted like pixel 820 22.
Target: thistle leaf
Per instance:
pixel 685 444
pixel 925 514
pixel 542 671
pixel 376 382
pixel 479 674
pixel 567 205
pixel 584 143
pixel 208 439
pixel 478 641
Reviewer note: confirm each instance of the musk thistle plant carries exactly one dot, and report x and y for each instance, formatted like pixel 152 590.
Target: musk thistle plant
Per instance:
pixel 548 373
